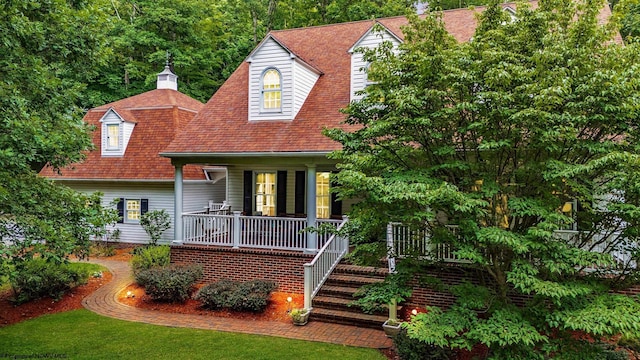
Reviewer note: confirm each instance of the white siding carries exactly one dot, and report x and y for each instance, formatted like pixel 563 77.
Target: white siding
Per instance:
pixel 358 65
pixel 196 196
pixel 271 55
pixel 127 130
pixel 303 82
pixel 160 196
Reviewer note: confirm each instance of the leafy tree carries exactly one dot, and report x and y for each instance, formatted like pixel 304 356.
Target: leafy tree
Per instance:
pixel 206 40
pixel 482 145
pixel 628 12
pixel 144 31
pixel 47 50
pixel 455 4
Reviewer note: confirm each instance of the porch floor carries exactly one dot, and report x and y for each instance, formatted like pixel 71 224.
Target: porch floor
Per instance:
pixel 104 302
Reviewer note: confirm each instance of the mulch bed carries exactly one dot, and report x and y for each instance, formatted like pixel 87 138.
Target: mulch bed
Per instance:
pixel 11 314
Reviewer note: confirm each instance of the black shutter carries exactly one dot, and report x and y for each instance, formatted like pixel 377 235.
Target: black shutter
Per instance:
pixel 144 206
pixel 299 192
pixel 336 205
pixel 120 208
pixel 281 193
pixel 248 190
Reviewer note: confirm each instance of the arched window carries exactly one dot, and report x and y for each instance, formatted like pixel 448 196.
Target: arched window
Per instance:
pixel 271 90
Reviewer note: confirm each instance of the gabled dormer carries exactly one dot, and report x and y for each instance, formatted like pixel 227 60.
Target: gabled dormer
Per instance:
pixel 279 81
pixel 370 40
pixel 115 133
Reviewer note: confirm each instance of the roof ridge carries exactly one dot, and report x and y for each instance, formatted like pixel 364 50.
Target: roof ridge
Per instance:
pixel 377 19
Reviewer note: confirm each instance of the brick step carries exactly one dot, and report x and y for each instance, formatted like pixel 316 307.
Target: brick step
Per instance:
pixel 348 318
pixel 343 268
pixel 348 280
pixel 345 292
pixel 334 303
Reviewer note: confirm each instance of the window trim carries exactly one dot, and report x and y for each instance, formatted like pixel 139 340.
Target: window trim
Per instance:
pixel 274 195
pixel 264 91
pixel 108 146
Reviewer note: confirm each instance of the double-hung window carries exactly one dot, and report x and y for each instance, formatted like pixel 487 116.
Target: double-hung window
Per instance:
pixel 271 91
pixel 265 194
pixel 113 136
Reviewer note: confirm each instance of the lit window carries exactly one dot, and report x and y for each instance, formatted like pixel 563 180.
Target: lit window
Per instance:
pixel 113 136
pixel 323 197
pixel 266 194
pixel 132 210
pixel 271 90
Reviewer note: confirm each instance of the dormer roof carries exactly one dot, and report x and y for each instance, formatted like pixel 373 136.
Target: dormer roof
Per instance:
pixel 292 54
pixel 158 115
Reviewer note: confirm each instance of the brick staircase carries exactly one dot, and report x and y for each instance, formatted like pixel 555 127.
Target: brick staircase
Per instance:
pixel 331 302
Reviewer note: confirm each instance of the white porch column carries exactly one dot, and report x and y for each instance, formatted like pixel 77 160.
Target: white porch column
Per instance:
pixel 177 204
pixel 312 237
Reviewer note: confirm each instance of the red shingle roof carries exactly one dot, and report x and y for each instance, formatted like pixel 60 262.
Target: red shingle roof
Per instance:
pixel 158 115
pixel 223 125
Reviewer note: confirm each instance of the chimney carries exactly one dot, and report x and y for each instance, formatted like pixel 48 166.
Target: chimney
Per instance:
pixel 167 79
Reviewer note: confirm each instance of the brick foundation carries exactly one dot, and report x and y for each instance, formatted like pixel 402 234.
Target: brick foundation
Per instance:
pixel 449 276
pixel 286 268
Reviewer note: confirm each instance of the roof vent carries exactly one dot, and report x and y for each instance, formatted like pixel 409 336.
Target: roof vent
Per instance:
pixel 167 79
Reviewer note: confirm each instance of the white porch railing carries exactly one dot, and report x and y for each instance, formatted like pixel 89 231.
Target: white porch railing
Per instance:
pixel 318 270
pixel 261 232
pixel 403 241
pixel 604 243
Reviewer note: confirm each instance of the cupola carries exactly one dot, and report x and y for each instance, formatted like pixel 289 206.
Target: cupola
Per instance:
pixel 167 79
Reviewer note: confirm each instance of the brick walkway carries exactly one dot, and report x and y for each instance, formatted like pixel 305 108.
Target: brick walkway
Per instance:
pixel 105 302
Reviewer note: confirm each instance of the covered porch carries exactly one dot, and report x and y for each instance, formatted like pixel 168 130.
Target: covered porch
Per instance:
pixel 273 200
pixel 270 199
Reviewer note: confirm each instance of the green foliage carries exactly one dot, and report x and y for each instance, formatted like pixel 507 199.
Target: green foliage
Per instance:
pixel 47 52
pixel 628 14
pixel 455 4
pixel 412 349
pixel 480 145
pixel 150 257
pixel 375 297
pixel 241 296
pixel 171 284
pixel 297 315
pixel 36 278
pixel 155 222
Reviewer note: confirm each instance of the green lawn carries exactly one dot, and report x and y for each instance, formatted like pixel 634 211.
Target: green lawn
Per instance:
pixel 81 334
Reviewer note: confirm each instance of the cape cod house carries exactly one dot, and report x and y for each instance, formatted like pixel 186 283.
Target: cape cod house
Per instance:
pixel 125 164
pixel 264 125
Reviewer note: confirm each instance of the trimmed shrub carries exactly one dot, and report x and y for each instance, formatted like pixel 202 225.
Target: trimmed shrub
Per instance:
pixel 171 284
pixel 411 349
pixel 149 257
pixel 240 296
pixel 37 278
pixel 216 295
